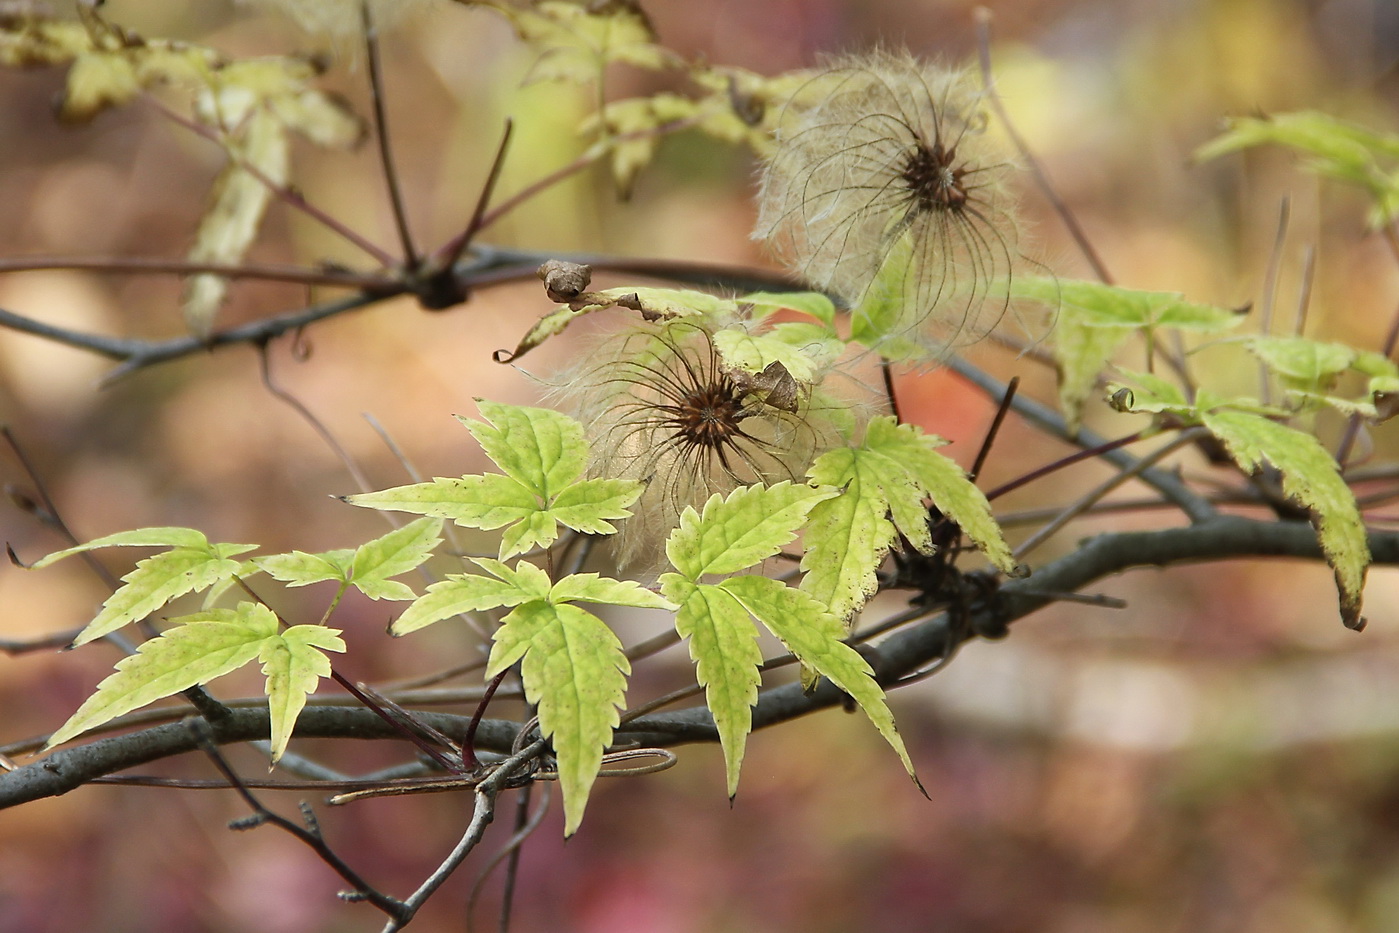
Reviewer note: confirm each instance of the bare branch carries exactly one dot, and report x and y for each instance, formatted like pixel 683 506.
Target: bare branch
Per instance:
pixel 904 651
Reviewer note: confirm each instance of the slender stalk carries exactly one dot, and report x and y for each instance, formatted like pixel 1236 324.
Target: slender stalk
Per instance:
pixel 983 45
pixel 381 136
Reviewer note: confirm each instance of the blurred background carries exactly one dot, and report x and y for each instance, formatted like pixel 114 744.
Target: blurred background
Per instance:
pixel 1220 756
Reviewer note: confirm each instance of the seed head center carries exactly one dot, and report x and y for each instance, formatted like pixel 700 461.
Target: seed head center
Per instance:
pixel 934 179
pixel 710 415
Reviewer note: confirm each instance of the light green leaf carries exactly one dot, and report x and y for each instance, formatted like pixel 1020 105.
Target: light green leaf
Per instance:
pixel 399 551
pixel 1342 151
pixel 812 634
pixel 1310 476
pixel 592 588
pixel 804 350
pixel 1097 305
pixel 529 580
pixel 724 647
pixel 298 568
pixel 159 579
pixel 486 502
pixel 574 669
pixel 815 304
pixel 541 449
pixel 537 529
pixel 891 472
pixel 140 537
pixel 752 524
pixel 459 593
pixel 883 317
pixel 1150 394
pixel 1094 320
pixel 199 648
pixel 591 505
pixel 294 662
pixel 1301 364
pixel 846 540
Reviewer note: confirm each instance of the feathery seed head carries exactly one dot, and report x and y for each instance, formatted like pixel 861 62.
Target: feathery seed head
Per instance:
pixel 662 405
pixel 885 189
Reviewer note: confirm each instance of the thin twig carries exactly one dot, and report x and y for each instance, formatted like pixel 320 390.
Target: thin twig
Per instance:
pixel 116 265
pixel 310 835
pixel 524 828
pixel 1196 507
pixel 1185 438
pixel 577 165
pixel 481 817
pixel 296 405
pixel 1077 457
pixel 381 134
pixel 280 191
pixel 1002 410
pixel 452 251
pixel 983 45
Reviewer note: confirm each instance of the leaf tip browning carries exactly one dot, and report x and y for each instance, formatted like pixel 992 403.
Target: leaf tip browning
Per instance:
pixel 14 558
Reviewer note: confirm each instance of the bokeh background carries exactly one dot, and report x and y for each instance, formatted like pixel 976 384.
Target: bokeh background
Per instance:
pixel 1219 756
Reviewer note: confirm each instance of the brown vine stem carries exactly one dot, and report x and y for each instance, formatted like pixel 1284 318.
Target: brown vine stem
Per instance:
pixel 381 136
pixel 1186 437
pixel 114 265
pixel 309 834
pixel 481 817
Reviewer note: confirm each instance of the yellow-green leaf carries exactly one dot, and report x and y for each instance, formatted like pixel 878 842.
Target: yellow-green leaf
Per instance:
pixel 199 648
pixel 294 662
pixel 541 449
pixel 1311 477
pixel 724 647
pixel 574 670
pixel 389 555
pixel 812 634
pixel 487 501
pixel 891 472
pixel 752 524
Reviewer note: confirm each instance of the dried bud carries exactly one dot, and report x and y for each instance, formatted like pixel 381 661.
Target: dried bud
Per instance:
pixel 564 281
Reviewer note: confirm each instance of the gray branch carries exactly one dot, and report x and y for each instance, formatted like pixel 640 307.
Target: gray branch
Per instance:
pixel 905 651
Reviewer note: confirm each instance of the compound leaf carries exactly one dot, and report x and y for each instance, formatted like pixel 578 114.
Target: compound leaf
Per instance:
pixel 399 551
pixel 752 524
pixel 199 648
pixel 815 304
pixel 591 505
pixel 813 634
pixel 1093 320
pixel 592 588
pixel 294 662
pixel 890 474
pixel 486 501
pixel 157 580
pixel 1310 476
pixel 724 647
pixel 139 537
pixel 298 568
pixel 459 593
pixel 541 449
pixel 574 669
